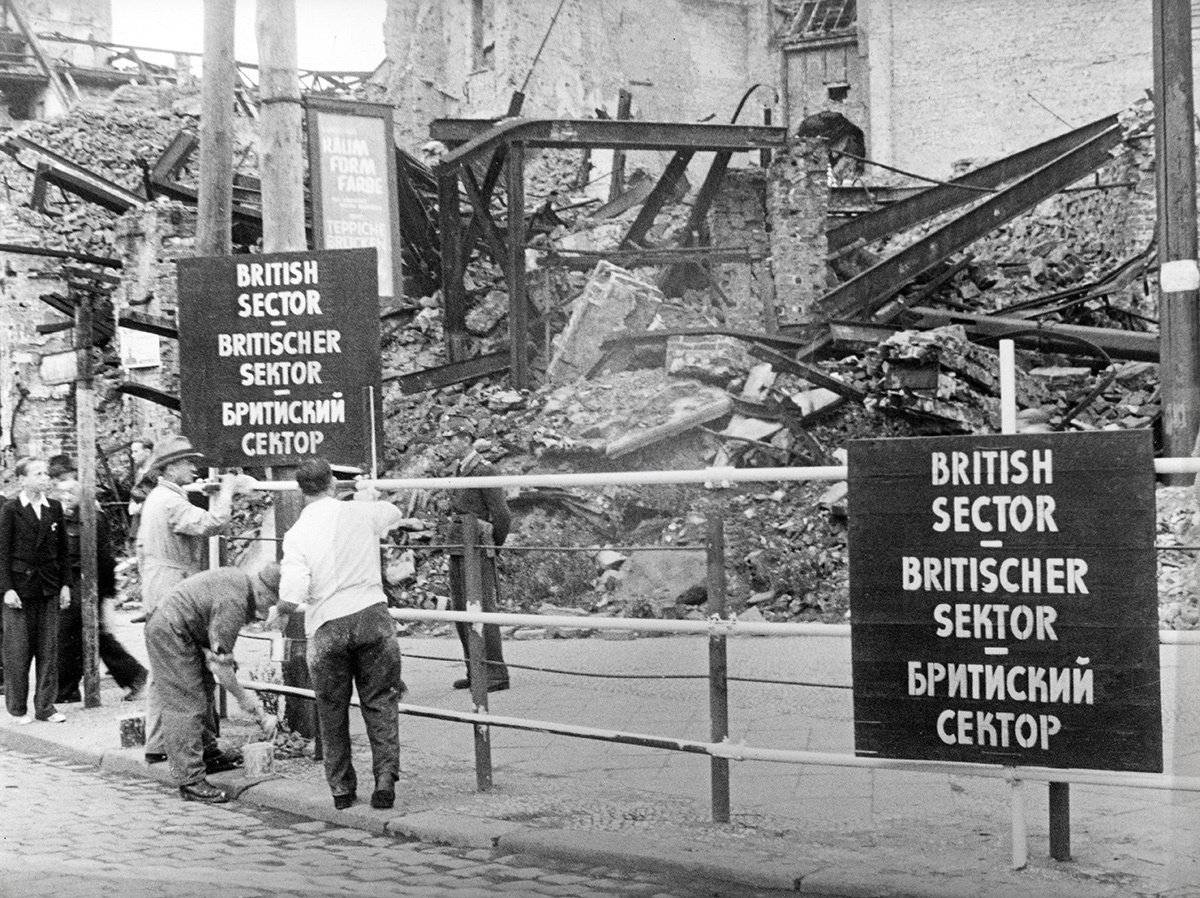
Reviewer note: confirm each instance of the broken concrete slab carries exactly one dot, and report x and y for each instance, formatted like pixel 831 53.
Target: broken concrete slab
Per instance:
pixel 612 300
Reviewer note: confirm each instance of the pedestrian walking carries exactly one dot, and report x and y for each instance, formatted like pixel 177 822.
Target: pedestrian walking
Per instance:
pixel 491 509
pixel 331 570
pixel 142 478
pixel 122 666
pixel 171 544
pixel 34 573
pixel 190 636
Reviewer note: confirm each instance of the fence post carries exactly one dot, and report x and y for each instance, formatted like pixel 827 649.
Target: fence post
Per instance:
pixel 718 685
pixel 1060 821
pixel 476 660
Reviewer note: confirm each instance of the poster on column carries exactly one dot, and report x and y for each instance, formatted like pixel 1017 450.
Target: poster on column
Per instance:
pixel 279 357
pixel 1004 603
pixel 352 165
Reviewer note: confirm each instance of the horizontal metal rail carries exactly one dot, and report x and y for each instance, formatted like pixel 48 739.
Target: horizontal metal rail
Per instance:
pixel 710 477
pixel 739 752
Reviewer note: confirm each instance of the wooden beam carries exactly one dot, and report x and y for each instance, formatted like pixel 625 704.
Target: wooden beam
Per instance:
pixel 657 199
pixel 518 293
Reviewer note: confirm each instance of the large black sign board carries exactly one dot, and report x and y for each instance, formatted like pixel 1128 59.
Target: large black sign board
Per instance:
pixel 278 355
pixel 1003 600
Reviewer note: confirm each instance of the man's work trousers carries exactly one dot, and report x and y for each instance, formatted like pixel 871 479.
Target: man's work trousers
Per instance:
pixel 158 580
pixel 493 646
pixel 31 633
pixel 185 692
pixel 358 650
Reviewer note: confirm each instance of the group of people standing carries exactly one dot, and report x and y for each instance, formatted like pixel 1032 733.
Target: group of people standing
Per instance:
pixel 330 571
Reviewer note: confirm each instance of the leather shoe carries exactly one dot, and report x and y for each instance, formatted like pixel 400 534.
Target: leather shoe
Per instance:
pixel 383 799
pixel 341 802
pixel 219 763
pixel 203 791
pixel 493 686
pixel 155 757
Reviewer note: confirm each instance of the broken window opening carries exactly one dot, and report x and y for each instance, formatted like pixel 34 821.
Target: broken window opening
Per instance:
pixel 837 93
pixel 815 19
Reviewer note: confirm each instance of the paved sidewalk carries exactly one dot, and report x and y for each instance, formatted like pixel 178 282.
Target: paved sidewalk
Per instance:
pixel 816 830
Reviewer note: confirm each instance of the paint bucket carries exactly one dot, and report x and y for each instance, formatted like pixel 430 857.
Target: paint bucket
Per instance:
pixel 258 758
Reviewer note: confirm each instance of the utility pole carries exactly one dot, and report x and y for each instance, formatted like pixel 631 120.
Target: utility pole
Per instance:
pixel 282 171
pixel 282 160
pixel 85 421
pixel 213 230
pixel 1179 277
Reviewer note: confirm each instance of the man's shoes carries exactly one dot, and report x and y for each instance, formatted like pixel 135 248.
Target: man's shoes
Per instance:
pixel 383 799
pixel 155 757
pixel 136 690
pixel 221 761
pixel 68 697
pixel 23 720
pixel 341 802
pixel 56 717
pixel 493 686
pixel 203 791
pixel 138 619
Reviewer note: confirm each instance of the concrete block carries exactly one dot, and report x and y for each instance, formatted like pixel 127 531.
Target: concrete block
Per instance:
pixel 133 730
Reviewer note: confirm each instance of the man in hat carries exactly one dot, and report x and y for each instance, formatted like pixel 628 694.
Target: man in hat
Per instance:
pixel 190 637
pixel 171 544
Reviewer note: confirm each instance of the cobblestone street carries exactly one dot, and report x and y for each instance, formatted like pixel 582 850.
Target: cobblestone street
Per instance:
pixel 71 832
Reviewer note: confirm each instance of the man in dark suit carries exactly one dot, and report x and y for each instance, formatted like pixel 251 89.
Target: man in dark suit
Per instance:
pixel 34 576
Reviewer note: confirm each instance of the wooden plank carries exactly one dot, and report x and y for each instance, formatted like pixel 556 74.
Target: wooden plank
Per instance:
pixel 657 199
pixel 456 372
pixel 518 293
pixel 150 394
pixel 710 411
pixel 149 323
pixel 1049 337
pixel 811 373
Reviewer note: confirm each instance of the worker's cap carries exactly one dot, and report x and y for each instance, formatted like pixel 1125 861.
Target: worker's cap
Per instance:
pixel 270 576
pixel 175 448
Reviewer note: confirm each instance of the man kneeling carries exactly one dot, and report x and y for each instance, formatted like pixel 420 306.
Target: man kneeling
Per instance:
pixel 190 637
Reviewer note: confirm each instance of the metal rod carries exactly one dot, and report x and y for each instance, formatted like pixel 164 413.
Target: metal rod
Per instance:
pixel 737 752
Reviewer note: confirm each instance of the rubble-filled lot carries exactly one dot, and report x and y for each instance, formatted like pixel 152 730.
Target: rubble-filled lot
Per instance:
pixel 683 403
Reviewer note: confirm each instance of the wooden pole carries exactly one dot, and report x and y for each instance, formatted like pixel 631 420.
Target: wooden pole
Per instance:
pixel 718 668
pixel 518 294
pixel 282 164
pixel 213 236
pixel 283 230
pixel 476 650
pixel 617 185
pixel 85 420
pixel 1175 156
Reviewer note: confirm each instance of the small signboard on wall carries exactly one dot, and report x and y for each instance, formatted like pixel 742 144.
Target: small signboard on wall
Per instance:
pixel 59 367
pixel 352 163
pixel 1003 594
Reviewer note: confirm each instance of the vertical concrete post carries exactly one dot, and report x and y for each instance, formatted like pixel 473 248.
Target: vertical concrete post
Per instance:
pixel 718 684
pixel 85 418
pixel 477 661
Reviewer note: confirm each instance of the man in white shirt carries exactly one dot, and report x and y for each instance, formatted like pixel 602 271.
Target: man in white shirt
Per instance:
pixel 331 569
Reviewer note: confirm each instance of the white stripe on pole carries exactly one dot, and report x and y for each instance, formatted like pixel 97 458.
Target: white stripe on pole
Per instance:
pixel 1008 387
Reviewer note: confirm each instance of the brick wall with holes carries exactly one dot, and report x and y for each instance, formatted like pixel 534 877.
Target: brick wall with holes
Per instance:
pixel 739 219
pixel 981 80
pixel 797 202
pixel 715 359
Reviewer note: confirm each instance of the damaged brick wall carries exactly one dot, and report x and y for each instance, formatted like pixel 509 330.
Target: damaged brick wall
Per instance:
pixel 682 59
pixel 739 218
pixel 149 241
pixel 34 416
pixel 797 201
pixel 985 79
